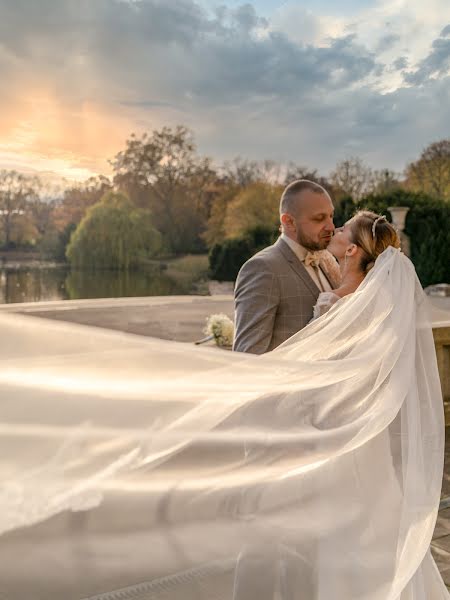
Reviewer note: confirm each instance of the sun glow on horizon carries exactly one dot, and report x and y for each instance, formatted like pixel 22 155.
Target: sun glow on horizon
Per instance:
pixel 35 164
pixel 72 141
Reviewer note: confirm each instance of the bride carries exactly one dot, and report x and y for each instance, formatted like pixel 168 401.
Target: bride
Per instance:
pixel 140 468
pixel 357 245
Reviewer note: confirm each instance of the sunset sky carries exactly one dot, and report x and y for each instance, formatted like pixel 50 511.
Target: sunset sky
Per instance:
pixel 310 81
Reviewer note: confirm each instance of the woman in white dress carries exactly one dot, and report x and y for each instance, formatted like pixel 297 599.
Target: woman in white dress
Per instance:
pixel 141 468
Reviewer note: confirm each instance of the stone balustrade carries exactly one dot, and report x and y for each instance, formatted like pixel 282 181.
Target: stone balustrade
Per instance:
pixel 442 343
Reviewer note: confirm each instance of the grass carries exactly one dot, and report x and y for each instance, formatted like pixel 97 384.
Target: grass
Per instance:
pixel 191 271
pixel 193 264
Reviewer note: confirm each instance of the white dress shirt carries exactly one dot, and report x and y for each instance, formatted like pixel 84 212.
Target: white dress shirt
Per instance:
pixel 316 274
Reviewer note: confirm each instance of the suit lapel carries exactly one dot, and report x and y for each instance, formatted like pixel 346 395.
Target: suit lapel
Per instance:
pixel 296 266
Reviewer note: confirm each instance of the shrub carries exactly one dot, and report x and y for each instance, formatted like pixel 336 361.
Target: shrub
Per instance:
pixel 227 258
pixel 427 225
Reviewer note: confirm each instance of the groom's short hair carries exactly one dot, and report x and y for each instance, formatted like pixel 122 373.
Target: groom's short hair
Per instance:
pixel 288 200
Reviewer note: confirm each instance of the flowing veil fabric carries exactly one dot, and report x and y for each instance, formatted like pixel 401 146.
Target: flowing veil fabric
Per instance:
pixel 140 468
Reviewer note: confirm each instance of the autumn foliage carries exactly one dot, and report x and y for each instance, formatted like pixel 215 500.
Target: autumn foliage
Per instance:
pixel 165 198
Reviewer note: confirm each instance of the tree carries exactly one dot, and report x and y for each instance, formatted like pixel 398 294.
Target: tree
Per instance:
pixel 69 211
pixel 215 228
pixel 352 177
pixel 384 181
pixel 430 174
pixel 240 172
pixel 16 190
pixel 256 205
pixel 163 173
pixel 77 199
pixel 295 172
pixel 235 176
pixel 113 235
pixel 41 214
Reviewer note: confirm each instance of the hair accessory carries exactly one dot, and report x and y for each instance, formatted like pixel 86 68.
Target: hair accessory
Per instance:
pixel 375 223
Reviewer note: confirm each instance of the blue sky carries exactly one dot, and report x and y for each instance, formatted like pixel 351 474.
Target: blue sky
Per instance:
pixel 307 82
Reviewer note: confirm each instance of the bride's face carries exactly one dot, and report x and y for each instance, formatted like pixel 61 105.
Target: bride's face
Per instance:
pixel 341 241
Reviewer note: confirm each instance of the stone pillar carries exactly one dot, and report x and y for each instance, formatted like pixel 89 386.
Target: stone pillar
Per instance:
pixel 398 220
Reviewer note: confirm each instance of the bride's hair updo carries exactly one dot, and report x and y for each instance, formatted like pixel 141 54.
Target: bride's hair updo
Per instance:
pixel 373 234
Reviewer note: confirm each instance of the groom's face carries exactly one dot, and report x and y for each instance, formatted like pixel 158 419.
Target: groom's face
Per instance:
pixel 314 220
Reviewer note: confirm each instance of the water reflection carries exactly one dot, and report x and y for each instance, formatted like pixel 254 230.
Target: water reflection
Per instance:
pixel 34 284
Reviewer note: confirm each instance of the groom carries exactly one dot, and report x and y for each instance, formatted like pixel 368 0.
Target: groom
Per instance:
pixel 277 288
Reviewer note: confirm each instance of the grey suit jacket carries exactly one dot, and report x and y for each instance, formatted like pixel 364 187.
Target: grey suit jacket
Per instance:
pixel 274 298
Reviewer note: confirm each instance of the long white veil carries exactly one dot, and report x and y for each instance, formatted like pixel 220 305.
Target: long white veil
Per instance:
pixel 169 471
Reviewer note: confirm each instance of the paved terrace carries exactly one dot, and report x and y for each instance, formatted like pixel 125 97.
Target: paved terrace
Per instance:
pixel 182 318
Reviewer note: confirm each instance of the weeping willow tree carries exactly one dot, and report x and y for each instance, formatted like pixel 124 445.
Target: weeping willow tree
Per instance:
pixel 114 234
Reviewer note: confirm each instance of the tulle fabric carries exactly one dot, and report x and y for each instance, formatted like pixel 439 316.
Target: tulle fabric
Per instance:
pixel 168 471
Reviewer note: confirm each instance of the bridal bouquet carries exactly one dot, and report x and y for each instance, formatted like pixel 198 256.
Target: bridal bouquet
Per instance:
pixel 219 328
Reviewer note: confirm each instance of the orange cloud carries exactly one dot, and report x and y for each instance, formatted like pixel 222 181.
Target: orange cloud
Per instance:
pixel 74 140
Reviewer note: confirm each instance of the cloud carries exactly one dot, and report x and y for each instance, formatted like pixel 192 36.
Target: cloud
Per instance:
pixel 84 49
pixel 387 42
pixel 436 64
pixel 81 76
pixel 400 63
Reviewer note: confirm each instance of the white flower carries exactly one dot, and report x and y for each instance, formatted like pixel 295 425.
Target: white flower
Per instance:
pixel 220 328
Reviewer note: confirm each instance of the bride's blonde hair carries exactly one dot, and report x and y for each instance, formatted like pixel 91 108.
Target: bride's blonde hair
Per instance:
pixel 373 234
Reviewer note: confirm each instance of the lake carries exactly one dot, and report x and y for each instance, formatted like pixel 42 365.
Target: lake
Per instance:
pixel 37 281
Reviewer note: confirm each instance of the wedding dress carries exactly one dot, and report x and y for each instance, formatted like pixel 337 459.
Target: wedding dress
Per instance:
pixel 140 468
pixel 324 302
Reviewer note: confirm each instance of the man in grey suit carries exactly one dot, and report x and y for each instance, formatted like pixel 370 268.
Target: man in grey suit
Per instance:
pixel 277 288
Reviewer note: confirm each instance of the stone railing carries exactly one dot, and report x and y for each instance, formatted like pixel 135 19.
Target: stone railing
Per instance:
pixel 442 342
pixel 439 297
